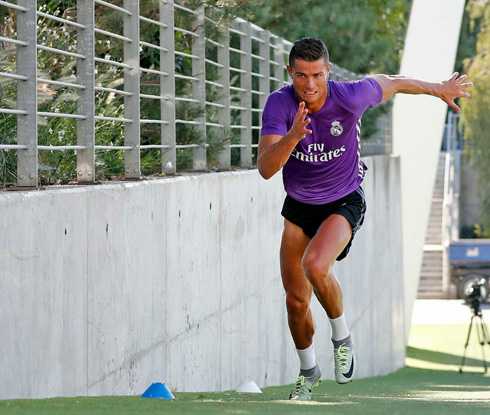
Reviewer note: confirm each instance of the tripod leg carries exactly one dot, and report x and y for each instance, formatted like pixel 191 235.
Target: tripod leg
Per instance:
pixel 466 345
pixel 486 338
pixel 481 340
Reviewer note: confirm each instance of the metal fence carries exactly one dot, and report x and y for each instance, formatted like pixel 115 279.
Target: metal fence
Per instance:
pixel 249 63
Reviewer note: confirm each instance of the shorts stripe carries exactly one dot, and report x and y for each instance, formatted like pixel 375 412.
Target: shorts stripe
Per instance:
pixel 361 218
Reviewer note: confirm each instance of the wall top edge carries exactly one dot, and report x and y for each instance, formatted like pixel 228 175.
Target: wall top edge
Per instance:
pixel 7 196
pixel 11 195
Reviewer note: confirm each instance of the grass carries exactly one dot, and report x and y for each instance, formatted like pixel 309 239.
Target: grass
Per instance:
pixel 431 383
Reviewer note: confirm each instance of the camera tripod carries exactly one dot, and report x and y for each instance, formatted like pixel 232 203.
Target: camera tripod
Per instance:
pixel 481 331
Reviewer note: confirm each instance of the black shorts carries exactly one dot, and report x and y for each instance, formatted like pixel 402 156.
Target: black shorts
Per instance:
pixel 310 217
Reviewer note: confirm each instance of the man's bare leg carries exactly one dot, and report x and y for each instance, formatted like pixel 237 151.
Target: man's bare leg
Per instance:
pixel 298 297
pixel 320 255
pixel 330 240
pixel 298 288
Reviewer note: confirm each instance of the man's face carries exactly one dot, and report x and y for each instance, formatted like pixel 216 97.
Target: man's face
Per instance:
pixel 310 82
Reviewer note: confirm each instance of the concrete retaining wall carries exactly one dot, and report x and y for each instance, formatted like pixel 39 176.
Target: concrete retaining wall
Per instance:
pixel 106 289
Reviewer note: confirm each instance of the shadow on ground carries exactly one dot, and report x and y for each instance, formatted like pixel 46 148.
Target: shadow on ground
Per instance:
pixel 448 359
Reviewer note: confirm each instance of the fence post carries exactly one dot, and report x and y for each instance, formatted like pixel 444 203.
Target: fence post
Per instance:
pixel 167 86
pixel 246 95
pixel 286 48
pixel 86 101
pixel 199 86
pixel 278 61
pixel 224 161
pixel 27 160
pixel 132 162
pixel 264 69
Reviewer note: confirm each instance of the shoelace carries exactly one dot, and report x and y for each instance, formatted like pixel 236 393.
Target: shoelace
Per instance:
pixel 300 385
pixel 342 356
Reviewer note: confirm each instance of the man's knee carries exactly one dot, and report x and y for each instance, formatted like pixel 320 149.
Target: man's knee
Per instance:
pixel 317 270
pixel 297 305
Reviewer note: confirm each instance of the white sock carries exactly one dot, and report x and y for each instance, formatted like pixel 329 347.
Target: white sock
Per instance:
pixel 307 358
pixel 340 331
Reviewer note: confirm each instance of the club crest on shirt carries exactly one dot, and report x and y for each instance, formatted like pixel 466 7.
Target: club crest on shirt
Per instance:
pixel 336 129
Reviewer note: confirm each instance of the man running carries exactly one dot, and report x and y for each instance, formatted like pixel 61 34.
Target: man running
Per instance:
pixel 311 130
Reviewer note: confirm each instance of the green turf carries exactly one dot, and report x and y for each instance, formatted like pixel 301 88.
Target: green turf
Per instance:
pixel 431 384
pixel 441 347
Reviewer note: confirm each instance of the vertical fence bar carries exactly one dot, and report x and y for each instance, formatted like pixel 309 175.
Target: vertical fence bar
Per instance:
pixel 27 160
pixel 86 101
pixel 388 137
pixel 132 162
pixel 246 96
pixel 286 49
pixel 224 161
pixel 264 69
pixel 167 86
pixel 279 60
pixel 199 87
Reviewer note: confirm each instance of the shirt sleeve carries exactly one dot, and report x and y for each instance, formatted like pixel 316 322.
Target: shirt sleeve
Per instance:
pixel 357 96
pixel 274 116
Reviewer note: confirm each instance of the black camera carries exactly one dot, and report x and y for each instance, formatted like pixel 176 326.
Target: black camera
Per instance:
pixel 474 295
pixel 475 290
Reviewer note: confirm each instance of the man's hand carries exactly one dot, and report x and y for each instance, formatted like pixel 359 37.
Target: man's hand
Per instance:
pixel 452 89
pixel 299 130
pixel 274 150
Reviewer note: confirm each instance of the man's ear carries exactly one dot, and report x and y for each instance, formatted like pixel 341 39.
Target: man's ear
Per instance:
pixel 290 72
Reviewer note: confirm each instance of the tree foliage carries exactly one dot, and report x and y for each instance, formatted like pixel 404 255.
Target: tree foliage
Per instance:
pixel 467 40
pixel 364 36
pixel 475 110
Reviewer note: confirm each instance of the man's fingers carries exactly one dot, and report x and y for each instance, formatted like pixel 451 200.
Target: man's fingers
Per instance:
pixel 300 120
pixel 456 90
pixel 304 125
pixel 301 115
pixel 301 109
pixel 462 78
pixel 454 107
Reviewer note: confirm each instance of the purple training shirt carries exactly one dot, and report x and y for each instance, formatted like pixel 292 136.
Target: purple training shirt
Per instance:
pixel 326 165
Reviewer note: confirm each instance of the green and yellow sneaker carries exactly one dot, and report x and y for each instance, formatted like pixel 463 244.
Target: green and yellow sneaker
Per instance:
pixel 345 362
pixel 304 384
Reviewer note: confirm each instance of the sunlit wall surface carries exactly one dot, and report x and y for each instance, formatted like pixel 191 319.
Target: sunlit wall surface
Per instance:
pixel 418 122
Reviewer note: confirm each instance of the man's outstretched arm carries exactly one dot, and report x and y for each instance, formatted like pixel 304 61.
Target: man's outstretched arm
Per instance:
pixel 447 90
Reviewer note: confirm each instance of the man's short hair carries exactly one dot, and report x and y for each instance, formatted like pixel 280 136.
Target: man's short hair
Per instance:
pixel 308 49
